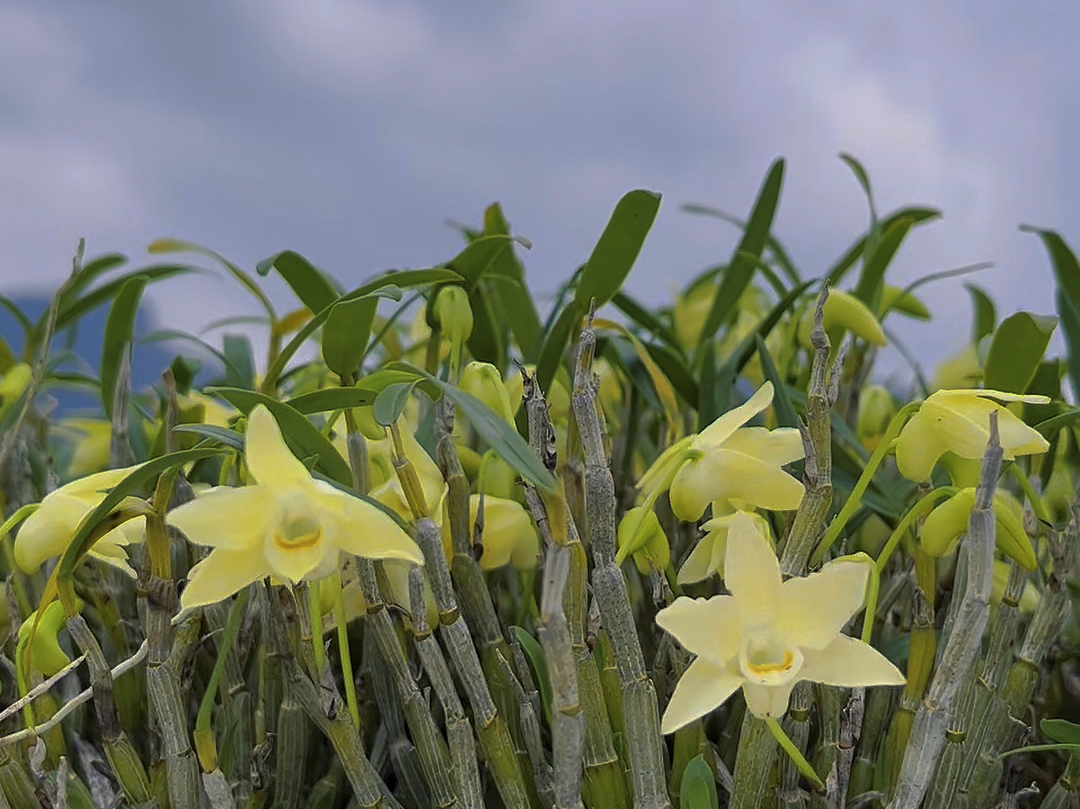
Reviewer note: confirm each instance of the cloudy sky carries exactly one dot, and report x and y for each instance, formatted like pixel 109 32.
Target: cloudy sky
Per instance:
pixel 351 130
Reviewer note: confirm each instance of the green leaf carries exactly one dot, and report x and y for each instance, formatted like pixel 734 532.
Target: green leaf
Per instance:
pixel 1061 730
pixel 1016 349
pixel 1048 429
pixel 221 435
pixel 346 333
pixel 985 313
pixel 301 436
pixel 554 346
pixel 479 256
pixel 617 249
pixel 1070 329
pixel 402 279
pixel 1063 260
pixel 525 324
pixel 237 349
pixel 119 334
pixel 676 370
pixel 322 401
pixel 534 653
pixel 307 281
pixel 741 267
pixel 390 402
pixel 707 406
pixel 741 355
pixel 503 438
pixel 246 281
pixel 918 215
pixel 872 278
pixel 70 315
pixel 698 788
pixel 785 410
pixel 1046 382
pixel 863 179
pixel 17 313
pixel 779 253
pixel 646 319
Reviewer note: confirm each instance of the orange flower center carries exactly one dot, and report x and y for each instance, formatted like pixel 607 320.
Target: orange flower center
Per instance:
pixel 768 661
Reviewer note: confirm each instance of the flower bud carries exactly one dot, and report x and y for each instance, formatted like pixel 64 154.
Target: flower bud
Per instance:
pixel 483 380
pixel 844 311
pixel 641 535
pixel 876 410
pixel 949 521
pixel 44 650
pixel 896 299
pixel 453 313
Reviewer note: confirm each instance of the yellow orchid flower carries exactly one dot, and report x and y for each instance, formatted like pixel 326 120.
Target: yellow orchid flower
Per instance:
pixel 49 530
pixel 729 462
pixel 769 634
pixel 92 439
pixel 958 421
pixel 876 410
pixel 287 524
pixel 949 521
pixel 509 536
pixel 707 557
pixel 960 371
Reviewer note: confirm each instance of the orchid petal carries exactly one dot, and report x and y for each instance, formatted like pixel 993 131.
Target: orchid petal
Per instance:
pixel 269 460
pixel 706 627
pixel 227 518
pixel 814 609
pixel 221 574
pixel 850 663
pixel 752 572
pixel 705 685
pixel 768 700
pixel 720 430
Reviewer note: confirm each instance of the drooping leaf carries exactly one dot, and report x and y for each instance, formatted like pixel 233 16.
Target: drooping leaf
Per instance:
pixel 1016 349
pixel 346 333
pixel 301 436
pixel 617 248
pixel 741 268
pixel 1061 730
pixel 646 319
pixel 68 316
pixel 222 435
pixel 985 320
pixel 864 181
pixel 306 280
pixel 118 337
pixel 246 281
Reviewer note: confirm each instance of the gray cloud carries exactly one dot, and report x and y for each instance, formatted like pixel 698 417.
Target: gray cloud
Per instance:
pixel 351 129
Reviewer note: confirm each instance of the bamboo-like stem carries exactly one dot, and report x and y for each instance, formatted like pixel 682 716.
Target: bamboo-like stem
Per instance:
pixel 928 731
pixel 644 742
pixel 816 432
pixel 753 764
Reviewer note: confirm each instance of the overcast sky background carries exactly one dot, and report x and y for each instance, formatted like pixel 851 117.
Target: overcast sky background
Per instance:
pixel 351 130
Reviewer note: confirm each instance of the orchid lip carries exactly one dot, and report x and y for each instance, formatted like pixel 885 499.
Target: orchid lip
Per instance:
pixel 768 662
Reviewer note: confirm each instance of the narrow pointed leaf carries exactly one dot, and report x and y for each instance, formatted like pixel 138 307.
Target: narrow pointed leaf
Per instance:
pixel 118 337
pixel 617 249
pixel 308 282
pixel 919 215
pixel 985 320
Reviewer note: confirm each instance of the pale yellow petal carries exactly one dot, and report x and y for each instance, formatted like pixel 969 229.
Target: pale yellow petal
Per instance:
pixel 777 447
pixel 699 564
pixel 93 488
pixel 815 608
pixel 752 572
pixel 706 627
pixel 919 446
pixel 269 460
pixel 221 574
pixel 226 517
pixel 767 700
pixel 720 430
pixel 849 662
pixel 48 531
pixel 947 523
pixel 704 686
pixel 509 534
pixel 723 474
pixel 362 529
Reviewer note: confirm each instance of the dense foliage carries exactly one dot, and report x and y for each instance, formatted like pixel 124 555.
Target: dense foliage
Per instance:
pixel 471 554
